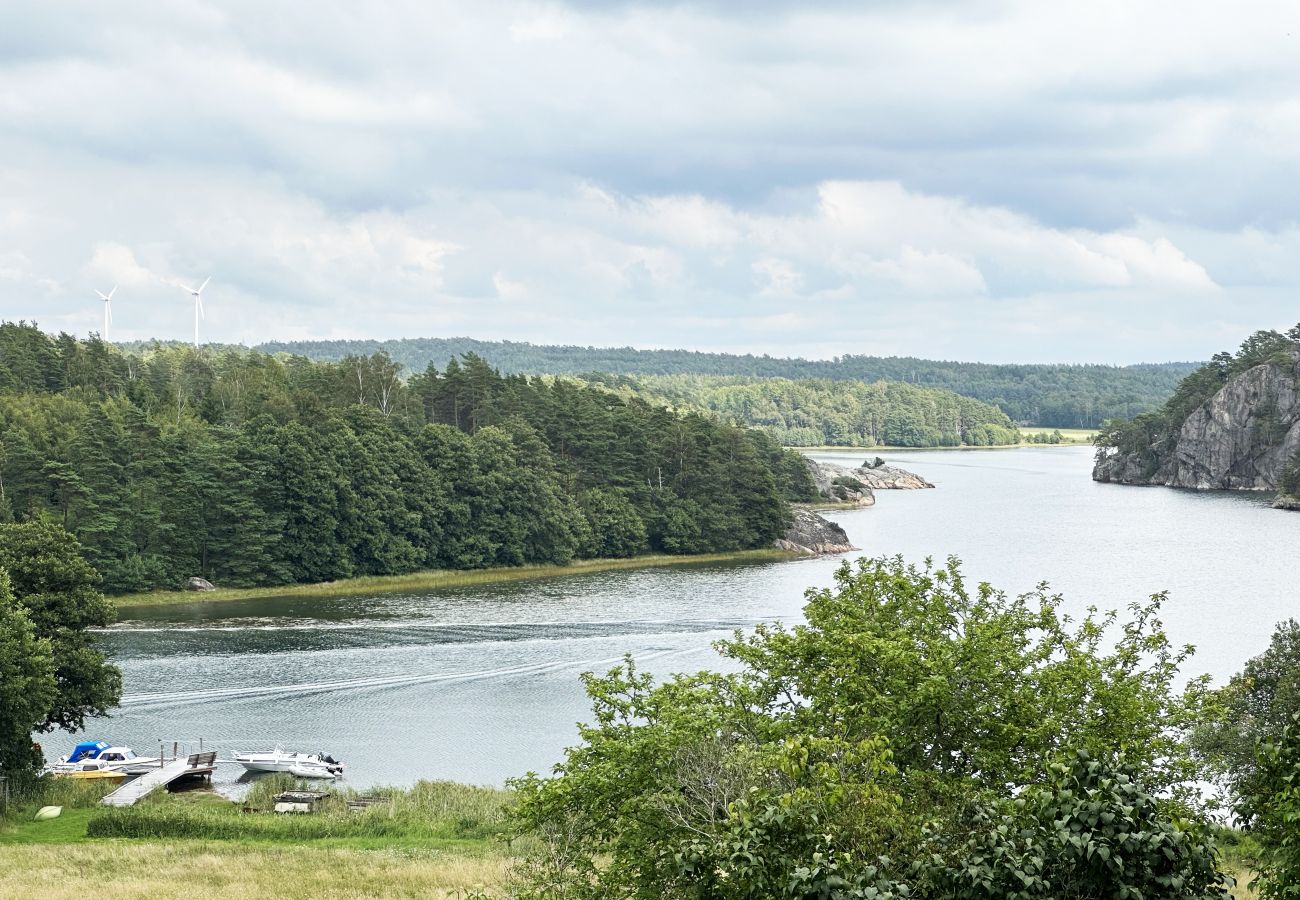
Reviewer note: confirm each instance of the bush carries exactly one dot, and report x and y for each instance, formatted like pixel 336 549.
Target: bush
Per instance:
pixel 817 768
pixel 1252 709
pixel 1271 810
pixel 1092 831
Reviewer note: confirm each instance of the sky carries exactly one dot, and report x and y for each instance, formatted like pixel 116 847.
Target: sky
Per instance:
pixel 964 179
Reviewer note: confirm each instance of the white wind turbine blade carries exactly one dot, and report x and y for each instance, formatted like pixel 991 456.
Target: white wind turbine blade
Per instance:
pixel 186 289
pixel 108 309
pixel 102 297
pixel 199 301
pixel 111 293
pixel 203 285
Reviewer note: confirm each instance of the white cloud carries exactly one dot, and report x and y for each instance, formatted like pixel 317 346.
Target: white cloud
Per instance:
pixel 934 178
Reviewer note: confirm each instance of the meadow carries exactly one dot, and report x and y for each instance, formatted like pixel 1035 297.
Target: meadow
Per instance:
pixel 436 839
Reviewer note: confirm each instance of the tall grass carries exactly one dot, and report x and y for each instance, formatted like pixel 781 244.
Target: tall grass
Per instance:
pixel 243 871
pixel 429 810
pixel 70 793
pixel 438 578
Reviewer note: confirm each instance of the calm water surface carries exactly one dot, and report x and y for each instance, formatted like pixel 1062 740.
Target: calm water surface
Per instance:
pixel 480 684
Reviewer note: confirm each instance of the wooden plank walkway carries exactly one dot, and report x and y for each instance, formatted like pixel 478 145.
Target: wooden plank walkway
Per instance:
pixel 194 764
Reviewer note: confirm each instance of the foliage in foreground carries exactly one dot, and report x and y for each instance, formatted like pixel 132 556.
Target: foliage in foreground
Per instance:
pixel 1270 807
pixel 864 753
pixel 1091 831
pixel 1252 709
pixel 51 675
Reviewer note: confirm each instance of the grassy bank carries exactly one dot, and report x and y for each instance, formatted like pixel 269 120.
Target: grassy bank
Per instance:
pixel 436 839
pixel 229 871
pixel 439 578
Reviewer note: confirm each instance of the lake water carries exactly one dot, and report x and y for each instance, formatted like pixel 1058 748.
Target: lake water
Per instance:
pixel 480 684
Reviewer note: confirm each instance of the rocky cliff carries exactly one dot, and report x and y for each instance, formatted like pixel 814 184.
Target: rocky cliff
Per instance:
pixel 1241 438
pixel 811 533
pixel 856 485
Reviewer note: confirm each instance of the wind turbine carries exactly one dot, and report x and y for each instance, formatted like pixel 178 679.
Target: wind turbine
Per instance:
pixel 198 305
pixel 108 310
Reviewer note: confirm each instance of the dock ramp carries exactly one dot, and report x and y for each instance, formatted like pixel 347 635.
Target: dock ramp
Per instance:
pixel 132 791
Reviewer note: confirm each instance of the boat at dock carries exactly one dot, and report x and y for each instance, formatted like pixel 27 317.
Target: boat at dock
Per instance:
pixel 91 769
pixel 105 757
pixel 300 765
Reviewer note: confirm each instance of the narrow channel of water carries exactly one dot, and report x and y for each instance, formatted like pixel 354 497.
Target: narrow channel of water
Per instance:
pixel 479 684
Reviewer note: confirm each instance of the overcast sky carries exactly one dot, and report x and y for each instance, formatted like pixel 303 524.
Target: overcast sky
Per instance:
pixel 1034 181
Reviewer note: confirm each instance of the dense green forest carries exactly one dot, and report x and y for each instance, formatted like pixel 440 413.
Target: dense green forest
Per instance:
pixel 252 469
pixel 1058 396
pixel 1153 435
pixel 822 412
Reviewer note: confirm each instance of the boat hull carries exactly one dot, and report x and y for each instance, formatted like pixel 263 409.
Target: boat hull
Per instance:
pixel 300 765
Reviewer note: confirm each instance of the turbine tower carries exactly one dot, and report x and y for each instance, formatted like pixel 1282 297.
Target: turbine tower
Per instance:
pixel 108 310
pixel 198 305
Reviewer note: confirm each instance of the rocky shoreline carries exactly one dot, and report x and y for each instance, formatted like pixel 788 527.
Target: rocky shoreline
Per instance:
pixel 1241 439
pixel 856 485
pixel 846 486
pixel 814 534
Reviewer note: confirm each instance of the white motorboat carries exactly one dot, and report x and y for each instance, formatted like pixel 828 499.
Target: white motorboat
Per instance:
pixel 106 758
pixel 301 765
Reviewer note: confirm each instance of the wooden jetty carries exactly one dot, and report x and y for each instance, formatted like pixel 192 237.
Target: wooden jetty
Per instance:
pixel 181 767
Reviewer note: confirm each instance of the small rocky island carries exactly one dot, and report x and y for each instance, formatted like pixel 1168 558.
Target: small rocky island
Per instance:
pixel 856 486
pixel 1234 424
pixel 842 486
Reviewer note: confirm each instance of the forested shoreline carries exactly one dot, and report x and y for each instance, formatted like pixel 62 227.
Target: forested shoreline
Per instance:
pixel 1054 395
pixel 823 412
pixel 254 470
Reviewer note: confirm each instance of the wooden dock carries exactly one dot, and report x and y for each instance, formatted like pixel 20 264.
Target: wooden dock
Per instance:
pixel 181 767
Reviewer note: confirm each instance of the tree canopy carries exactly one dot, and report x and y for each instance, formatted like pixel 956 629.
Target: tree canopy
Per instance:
pixel 823 412
pixel 248 469
pixel 1058 396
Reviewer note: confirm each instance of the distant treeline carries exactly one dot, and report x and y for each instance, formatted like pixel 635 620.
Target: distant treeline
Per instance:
pixel 250 469
pixel 821 412
pixel 1058 396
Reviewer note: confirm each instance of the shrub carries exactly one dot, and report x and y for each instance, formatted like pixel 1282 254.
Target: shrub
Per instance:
pixel 1271 810
pixel 1091 832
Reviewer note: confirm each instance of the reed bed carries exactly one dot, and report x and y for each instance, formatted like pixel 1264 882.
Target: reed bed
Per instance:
pixel 428 811
pixel 438 578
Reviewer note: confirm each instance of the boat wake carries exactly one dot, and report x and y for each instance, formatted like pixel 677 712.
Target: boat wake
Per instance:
pixel 208 695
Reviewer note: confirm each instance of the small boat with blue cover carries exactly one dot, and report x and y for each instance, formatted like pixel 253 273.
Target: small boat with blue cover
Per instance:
pixel 100 759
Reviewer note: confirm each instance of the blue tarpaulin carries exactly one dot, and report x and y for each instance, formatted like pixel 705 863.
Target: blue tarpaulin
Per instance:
pixel 87 750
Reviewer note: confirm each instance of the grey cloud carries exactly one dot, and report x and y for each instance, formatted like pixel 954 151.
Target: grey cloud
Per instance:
pixel 449 159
